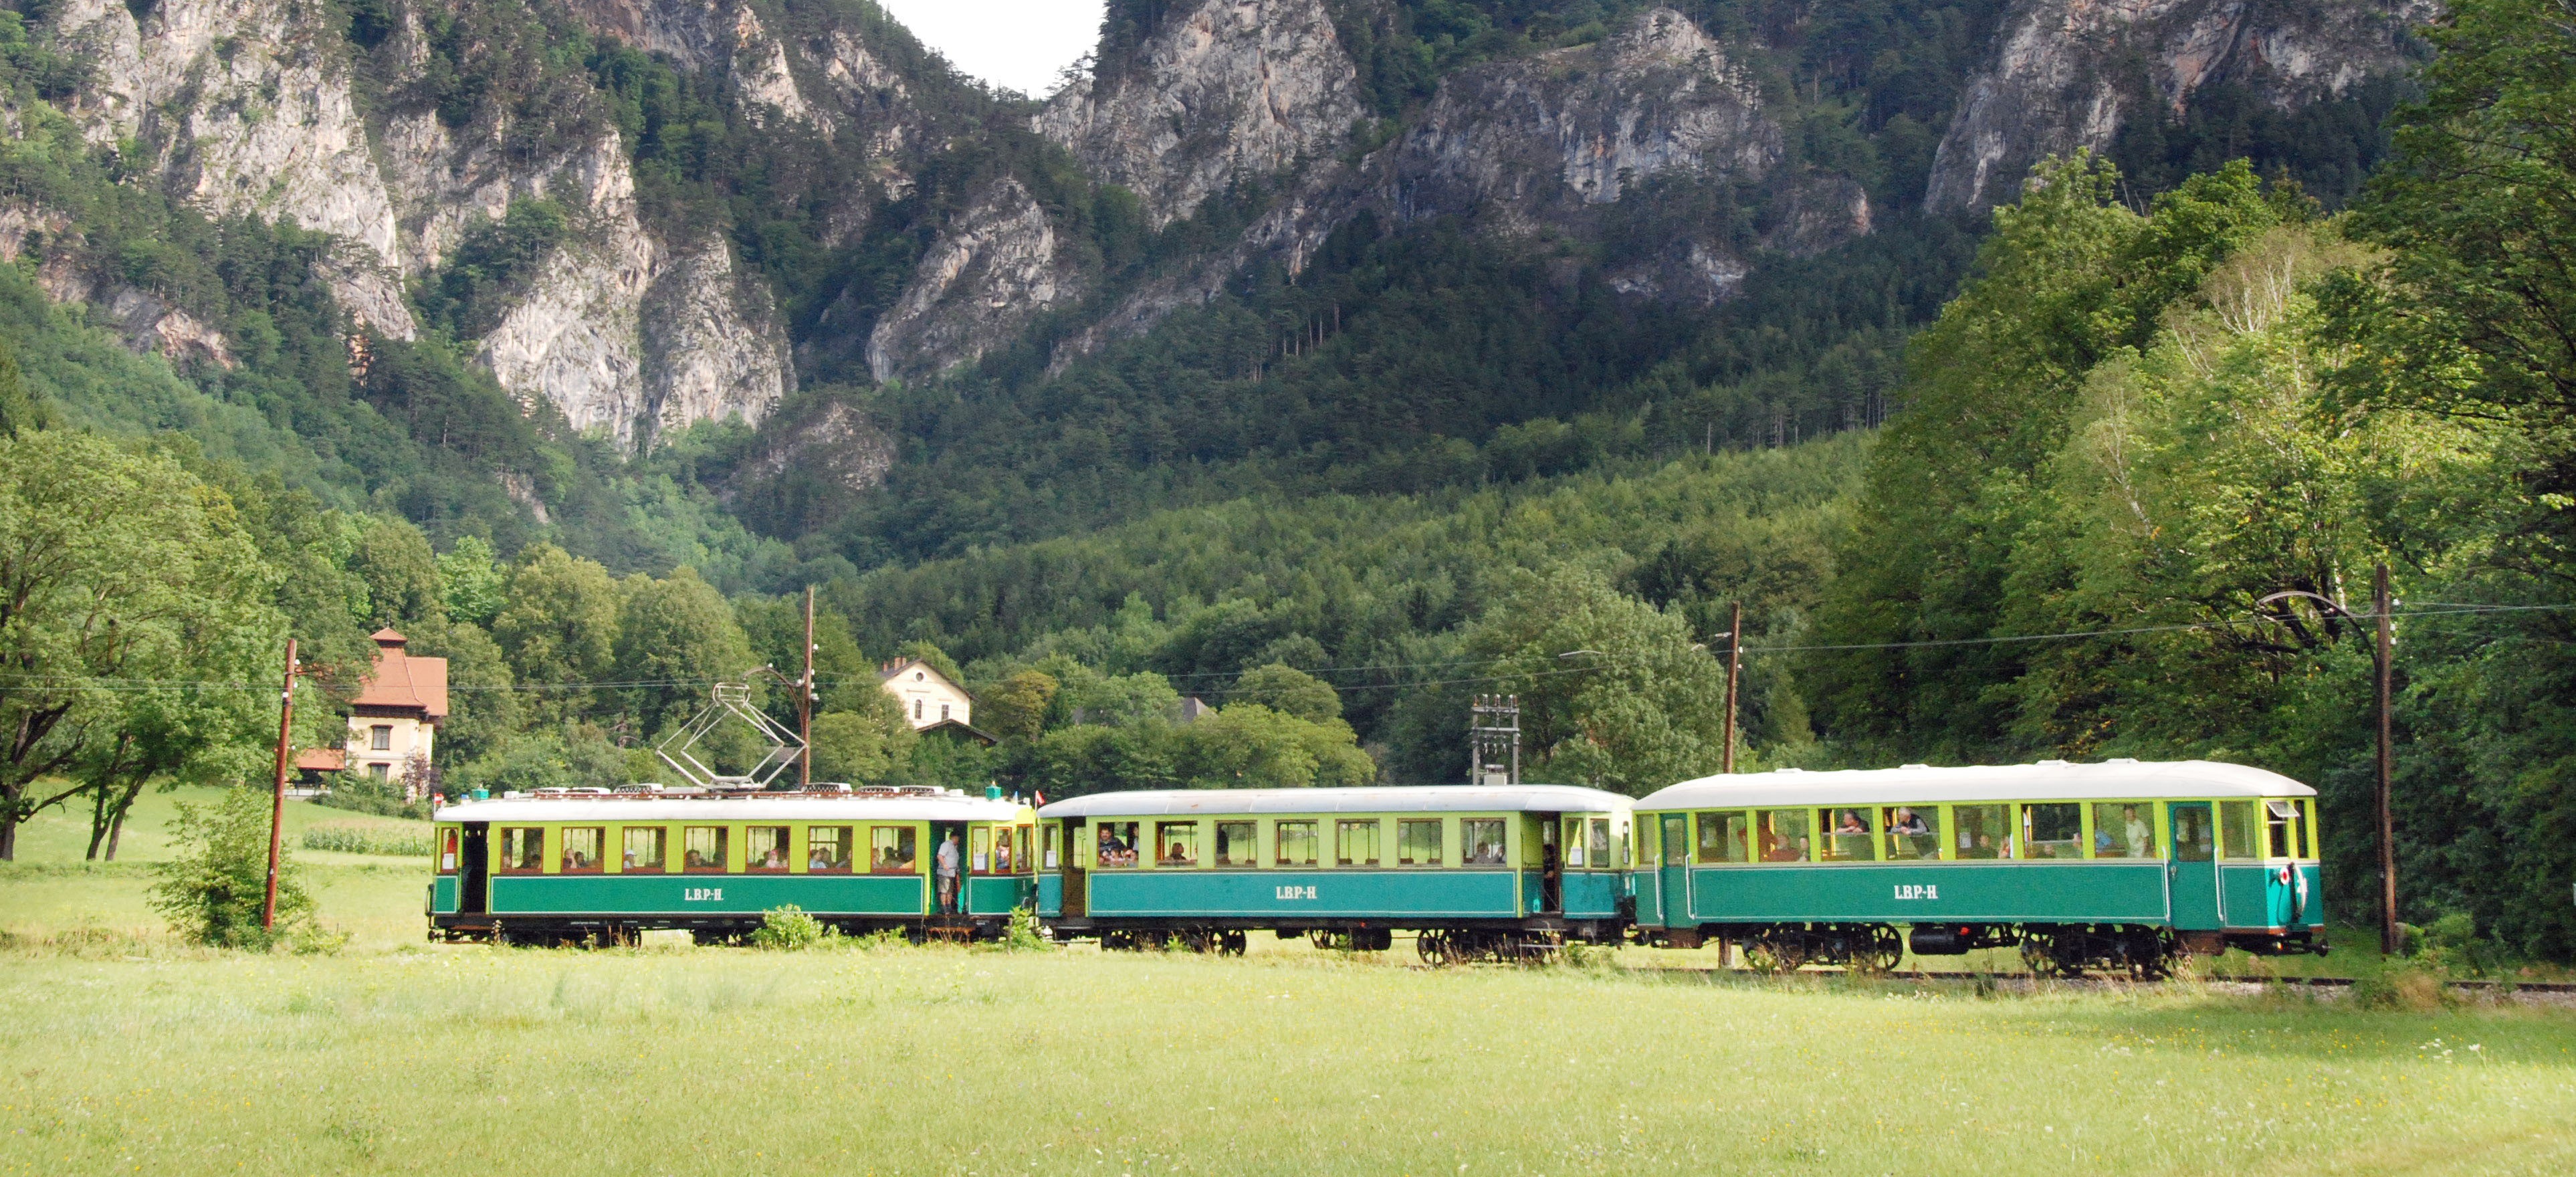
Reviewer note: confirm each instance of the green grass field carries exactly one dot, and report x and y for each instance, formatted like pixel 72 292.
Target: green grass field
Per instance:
pixel 126 1053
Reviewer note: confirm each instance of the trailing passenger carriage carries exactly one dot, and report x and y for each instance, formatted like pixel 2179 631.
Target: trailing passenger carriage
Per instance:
pixel 572 865
pixel 1478 872
pixel 2115 865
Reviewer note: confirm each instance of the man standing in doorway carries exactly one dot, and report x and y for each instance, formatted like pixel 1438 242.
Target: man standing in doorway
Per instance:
pixel 947 868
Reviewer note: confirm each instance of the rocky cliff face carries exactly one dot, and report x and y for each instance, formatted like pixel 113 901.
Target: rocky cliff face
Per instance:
pixel 992 271
pixel 1229 90
pixel 1522 144
pixel 2068 74
pixel 1539 146
pixel 251 109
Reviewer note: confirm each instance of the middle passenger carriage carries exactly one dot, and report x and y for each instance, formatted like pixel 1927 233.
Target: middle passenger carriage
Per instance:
pixel 1477 870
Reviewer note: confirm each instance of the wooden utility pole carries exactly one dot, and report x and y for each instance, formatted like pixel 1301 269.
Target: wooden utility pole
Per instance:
pixel 805 701
pixel 1734 668
pixel 277 799
pixel 2383 661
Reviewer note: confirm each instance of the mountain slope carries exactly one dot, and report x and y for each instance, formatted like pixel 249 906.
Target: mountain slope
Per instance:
pixel 1257 246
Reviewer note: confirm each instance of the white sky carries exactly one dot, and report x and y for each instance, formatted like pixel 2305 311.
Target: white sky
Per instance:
pixel 1022 44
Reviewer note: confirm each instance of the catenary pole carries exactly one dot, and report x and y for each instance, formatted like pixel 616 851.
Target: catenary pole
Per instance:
pixel 277 797
pixel 805 700
pixel 1734 667
pixel 2383 668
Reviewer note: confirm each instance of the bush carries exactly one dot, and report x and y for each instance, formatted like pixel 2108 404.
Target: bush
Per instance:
pixel 213 891
pixel 1026 933
pixel 2401 989
pixel 359 792
pixel 2451 946
pixel 789 929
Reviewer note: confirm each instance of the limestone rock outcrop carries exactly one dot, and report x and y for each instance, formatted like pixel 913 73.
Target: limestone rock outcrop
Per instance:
pixel 1229 90
pixel 2068 74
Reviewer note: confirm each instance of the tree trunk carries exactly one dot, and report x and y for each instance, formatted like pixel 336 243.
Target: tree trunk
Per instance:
pixel 116 831
pixel 97 822
pixel 8 830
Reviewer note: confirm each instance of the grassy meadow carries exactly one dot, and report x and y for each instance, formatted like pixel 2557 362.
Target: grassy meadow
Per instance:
pixel 127 1052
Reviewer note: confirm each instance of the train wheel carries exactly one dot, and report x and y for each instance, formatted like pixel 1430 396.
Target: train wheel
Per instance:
pixel 1233 943
pixel 1882 954
pixel 1432 947
pixel 1321 939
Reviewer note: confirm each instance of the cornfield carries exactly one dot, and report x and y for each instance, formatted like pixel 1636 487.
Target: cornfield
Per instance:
pixel 355 839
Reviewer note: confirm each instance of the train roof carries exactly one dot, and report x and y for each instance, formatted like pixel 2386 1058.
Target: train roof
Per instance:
pixel 2050 780
pixel 910 804
pixel 1367 799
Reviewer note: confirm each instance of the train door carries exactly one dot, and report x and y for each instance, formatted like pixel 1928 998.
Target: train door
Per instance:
pixel 2191 878
pixel 1077 893
pixel 473 885
pixel 947 867
pixel 1675 874
pixel 1551 866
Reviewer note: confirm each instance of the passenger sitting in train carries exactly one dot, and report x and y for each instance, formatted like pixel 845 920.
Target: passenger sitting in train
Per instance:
pixel 776 859
pixel 1486 854
pixel 1178 855
pixel 694 860
pixel 819 859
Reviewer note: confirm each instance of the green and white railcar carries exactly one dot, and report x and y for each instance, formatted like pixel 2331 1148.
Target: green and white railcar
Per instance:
pixel 1478 871
pixel 573 864
pixel 2115 865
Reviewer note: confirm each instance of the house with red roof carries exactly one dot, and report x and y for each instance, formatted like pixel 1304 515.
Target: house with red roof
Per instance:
pixel 394 721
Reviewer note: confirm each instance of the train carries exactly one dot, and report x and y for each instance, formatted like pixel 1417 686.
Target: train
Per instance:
pixel 2122 866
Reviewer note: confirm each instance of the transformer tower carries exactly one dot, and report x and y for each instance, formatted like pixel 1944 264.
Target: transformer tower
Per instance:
pixel 1494 741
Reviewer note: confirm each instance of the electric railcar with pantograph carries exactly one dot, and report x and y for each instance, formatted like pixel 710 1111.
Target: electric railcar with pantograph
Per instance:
pixel 1477 872
pixel 572 865
pixel 2120 865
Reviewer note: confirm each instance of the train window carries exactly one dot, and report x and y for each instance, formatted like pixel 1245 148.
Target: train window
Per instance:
pixel 2236 831
pixel 1418 843
pixel 1984 831
pixel 890 850
pixel 766 849
pixel 1597 848
pixel 523 850
pixel 1722 837
pixel 1648 848
pixel 581 847
pixel 980 857
pixel 447 852
pixel 1482 839
pixel 1117 844
pixel 1848 836
pixel 1784 834
pixel 2124 829
pixel 1002 859
pixel 1355 843
pixel 2193 838
pixel 2285 840
pixel 2052 831
pixel 827 849
pixel 1238 843
pixel 1913 831
pixel 1176 843
pixel 1049 835
pixel 1573 841
pixel 1296 843
pixel 1020 851
pixel 1676 838
pixel 702 848
pixel 2308 819
pixel 644 850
